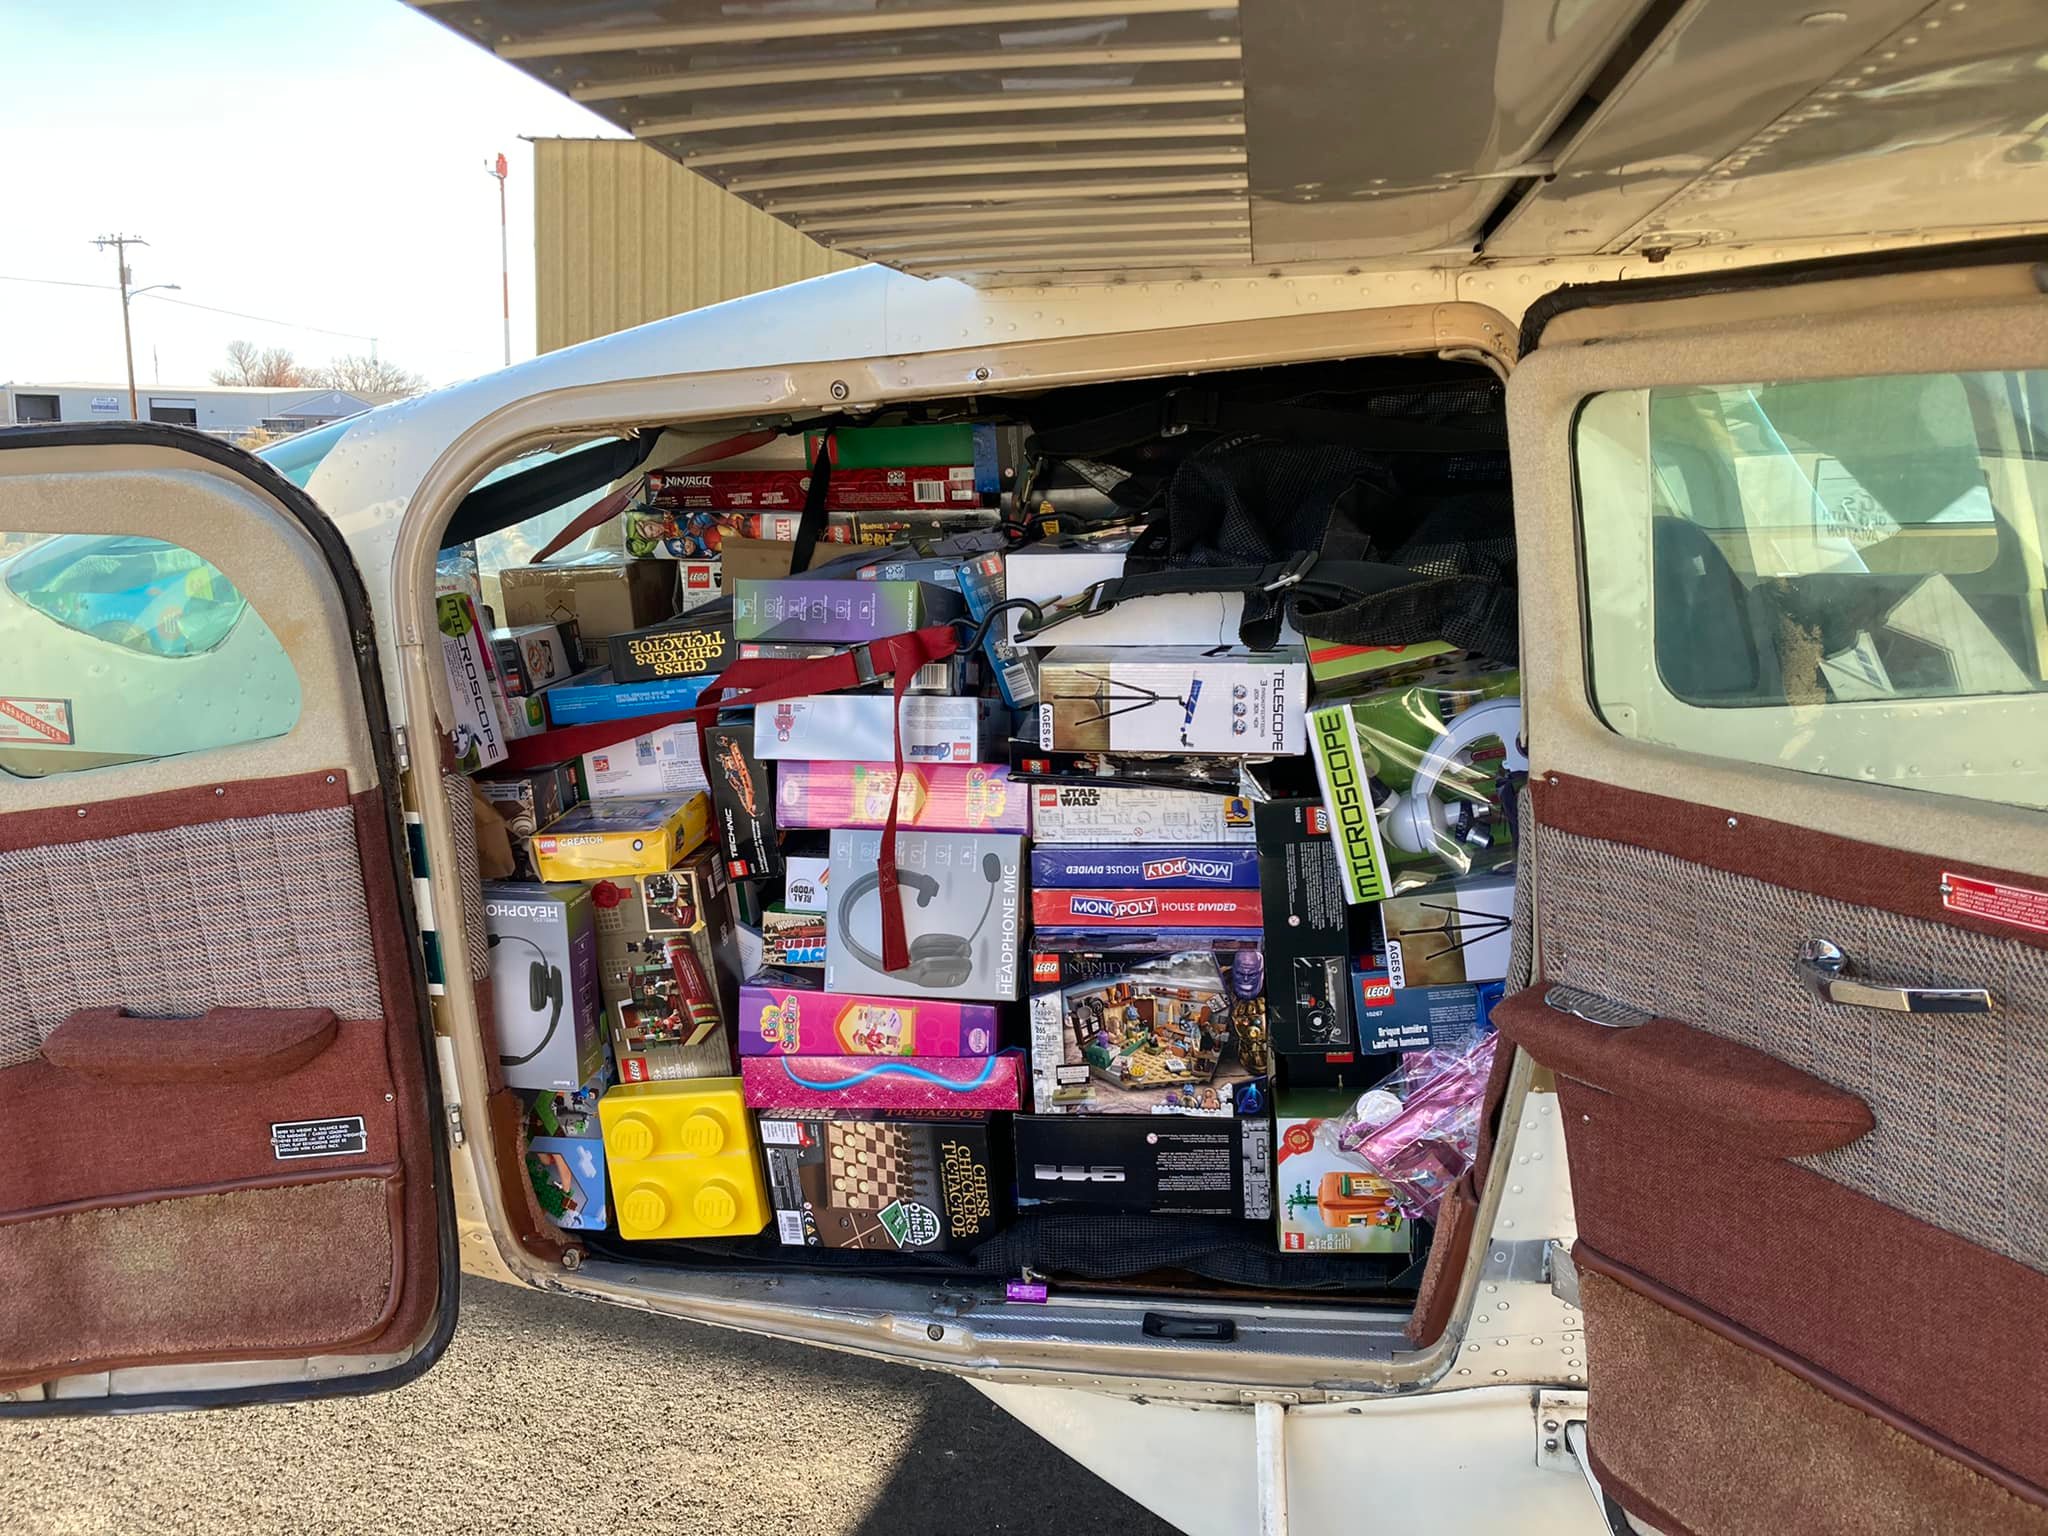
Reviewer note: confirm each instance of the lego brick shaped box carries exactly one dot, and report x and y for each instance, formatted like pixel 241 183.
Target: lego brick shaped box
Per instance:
pixel 683 1160
pixel 962 896
pixel 900 1185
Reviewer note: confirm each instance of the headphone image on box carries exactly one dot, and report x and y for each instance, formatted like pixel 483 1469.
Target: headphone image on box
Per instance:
pixel 543 994
pixel 936 959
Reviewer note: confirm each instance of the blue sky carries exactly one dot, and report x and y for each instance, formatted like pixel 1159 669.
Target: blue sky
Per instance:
pixel 319 163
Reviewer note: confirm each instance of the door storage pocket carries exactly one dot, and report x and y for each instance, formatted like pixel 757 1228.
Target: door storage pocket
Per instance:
pixel 277 1269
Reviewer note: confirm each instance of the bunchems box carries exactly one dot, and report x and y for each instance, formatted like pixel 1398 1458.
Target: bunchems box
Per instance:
pixel 861 728
pixel 1144 868
pixel 1172 699
pixel 1107 910
pixel 1174 1165
pixel 942 797
pixel 817 608
pixel 779 1021
pixel 883 1082
pixel 1114 813
pixel 962 912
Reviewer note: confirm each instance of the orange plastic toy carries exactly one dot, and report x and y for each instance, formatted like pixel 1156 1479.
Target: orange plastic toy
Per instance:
pixel 683 1160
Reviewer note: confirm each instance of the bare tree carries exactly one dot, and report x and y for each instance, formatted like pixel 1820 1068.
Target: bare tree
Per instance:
pixel 359 375
pixel 263 367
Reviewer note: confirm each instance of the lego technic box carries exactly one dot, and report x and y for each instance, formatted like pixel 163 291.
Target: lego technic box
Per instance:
pixel 903 1185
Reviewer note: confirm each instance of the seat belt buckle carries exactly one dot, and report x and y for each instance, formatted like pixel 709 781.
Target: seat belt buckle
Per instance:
pixel 1292 574
pixel 1184 408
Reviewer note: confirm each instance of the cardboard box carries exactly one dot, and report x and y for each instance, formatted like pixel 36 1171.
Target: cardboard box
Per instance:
pixel 1172 699
pixel 1308 943
pixel 595 696
pixel 1168 1165
pixel 480 727
pixel 664 762
pixel 1157 1039
pixel 937 797
pixel 806 883
pixel 527 802
pixel 962 910
pixel 638 916
pixel 930 1083
pixel 1046 575
pixel 569 1112
pixel 1170 868
pixel 846 727
pixel 671 650
pixel 613 838
pixel 532 656
pixel 903 1186
pixel 788 1021
pixel 602 593
pixel 1110 911
pixel 1110 813
pixel 568 1175
pixel 793 939
pixel 846 612
pixel 544 981
pixel 1438 966
pixel 742 804
pixel 924 488
pixel 1329 1202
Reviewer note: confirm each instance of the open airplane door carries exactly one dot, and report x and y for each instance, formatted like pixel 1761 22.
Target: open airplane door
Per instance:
pixel 216 1081
pixel 1785 640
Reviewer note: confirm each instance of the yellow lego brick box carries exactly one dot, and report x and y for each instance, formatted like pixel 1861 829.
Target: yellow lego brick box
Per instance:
pixel 683 1159
pixel 616 839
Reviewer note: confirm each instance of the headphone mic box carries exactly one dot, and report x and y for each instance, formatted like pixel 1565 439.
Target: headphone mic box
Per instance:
pixel 963 913
pixel 1170 1165
pixel 543 944
pixel 1308 946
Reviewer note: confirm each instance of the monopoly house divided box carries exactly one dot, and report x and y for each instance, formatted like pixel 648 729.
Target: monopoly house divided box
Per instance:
pixel 904 1185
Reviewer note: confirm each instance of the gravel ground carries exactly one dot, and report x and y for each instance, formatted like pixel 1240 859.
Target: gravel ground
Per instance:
pixel 549 1414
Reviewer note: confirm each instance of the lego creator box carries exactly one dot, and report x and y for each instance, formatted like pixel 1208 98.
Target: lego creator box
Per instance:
pixel 637 917
pixel 569 1180
pixel 905 1186
pixel 594 697
pixel 938 797
pixel 1163 1164
pixel 1157 1039
pixel 1172 699
pixel 543 946
pixel 1329 1202
pixel 962 895
pixel 1439 966
pixel 884 1082
pixel 781 1021
pixel 861 728
pixel 602 593
pixel 1112 813
pixel 668 761
pixel 613 838
pixel 1170 868
pixel 671 650
pixel 819 608
pixel 1092 911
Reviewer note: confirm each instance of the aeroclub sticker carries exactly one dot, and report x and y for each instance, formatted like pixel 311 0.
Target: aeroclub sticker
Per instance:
pixel 1988 899
pixel 340 1136
pixel 46 722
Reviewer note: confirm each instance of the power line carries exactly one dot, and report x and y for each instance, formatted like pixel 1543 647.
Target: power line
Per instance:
pixel 57 282
pixel 290 325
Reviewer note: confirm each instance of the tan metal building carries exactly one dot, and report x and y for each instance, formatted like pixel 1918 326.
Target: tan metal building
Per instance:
pixel 624 235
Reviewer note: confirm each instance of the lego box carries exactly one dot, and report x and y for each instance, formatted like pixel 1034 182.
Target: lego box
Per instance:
pixel 613 838
pixel 785 1021
pixel 1440 965
pixel 568 1177
pixel 1164 1164
pixel 638 915
pixel 819 608
pixel 962 911
pixel 683 1160
pixel 861 728
pixel 1157 1039
pixel 1329 1202
pixel 926 488
pixel 1308 943
pixel 905 1186
pixel 667 761
pixel 883 1082
pixel 938 797
pixel 562 1112
pixel 742 804
pixel 1111 813
pixel 543 946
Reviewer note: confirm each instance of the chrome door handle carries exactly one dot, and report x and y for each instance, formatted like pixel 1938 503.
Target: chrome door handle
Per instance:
pixel 1834 977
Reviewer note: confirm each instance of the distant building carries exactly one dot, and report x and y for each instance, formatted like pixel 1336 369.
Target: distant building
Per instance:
pixel 230 411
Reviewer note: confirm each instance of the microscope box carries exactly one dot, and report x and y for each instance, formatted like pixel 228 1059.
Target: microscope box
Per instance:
pixel 963 913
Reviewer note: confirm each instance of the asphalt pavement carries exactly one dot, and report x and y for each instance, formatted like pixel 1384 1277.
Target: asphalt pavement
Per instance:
pixel 556 1415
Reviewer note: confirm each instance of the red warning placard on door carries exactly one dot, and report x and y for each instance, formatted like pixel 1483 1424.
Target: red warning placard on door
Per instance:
pixel 2014 904
pixel 47 721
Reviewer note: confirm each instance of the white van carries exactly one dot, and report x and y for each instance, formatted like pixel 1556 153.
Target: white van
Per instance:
pixel 1777 407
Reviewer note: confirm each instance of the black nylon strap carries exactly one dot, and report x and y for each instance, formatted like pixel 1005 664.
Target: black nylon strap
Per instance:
pixel 1186 410
pixel 811 526
pixel 1336 581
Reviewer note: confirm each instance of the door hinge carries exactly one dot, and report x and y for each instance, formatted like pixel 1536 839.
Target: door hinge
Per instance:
pixel 1554 1411
pixel 401 748
pixel 455 1136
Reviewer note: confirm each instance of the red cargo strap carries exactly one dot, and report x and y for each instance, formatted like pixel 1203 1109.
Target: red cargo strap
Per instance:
pixel 894 657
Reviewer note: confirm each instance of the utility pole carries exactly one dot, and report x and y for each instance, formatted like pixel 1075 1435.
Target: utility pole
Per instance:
pixel 499 170
pixel 120 243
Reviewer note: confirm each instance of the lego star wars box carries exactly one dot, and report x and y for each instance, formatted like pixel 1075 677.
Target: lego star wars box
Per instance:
pixel 1438 966
pixel 543 946
pixel 1165 1164
pixel 1172 699
pixel 962 895
pixel 1308 946
pixel 1110 813
pixel 905 1186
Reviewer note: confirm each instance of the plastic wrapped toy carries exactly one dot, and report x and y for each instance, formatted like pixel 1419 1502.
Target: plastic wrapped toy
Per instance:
pixel 1425 1148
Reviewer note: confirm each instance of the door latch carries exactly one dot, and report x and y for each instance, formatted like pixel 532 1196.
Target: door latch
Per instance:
pixel 1835 977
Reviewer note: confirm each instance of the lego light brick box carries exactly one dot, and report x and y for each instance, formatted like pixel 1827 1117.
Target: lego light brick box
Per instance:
pixel 904 1186
pixel 609 839
pixel 1172 699
pixel 861 728
pixel 1329 1202
pixel 789 1021
pixel 1130 814
pixel 819 608
pixel 1439 965
pixel 602 593
pixel 568 1177
pixel 962 895
pixel 884 1082
pixel 938 797
pixel 667 761
pixel 1166 1164
pixel 543 946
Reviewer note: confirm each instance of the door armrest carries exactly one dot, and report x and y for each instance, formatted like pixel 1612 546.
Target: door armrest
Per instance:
pixel 225 1045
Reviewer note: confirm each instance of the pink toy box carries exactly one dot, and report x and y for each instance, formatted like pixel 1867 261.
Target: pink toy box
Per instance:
pixel 881 1082
pixel 780 1021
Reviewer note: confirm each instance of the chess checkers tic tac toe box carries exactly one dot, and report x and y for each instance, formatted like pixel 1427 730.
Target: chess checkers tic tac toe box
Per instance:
pixel 902 1185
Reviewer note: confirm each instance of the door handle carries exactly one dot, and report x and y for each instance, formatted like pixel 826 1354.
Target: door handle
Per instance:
pixel 1834 977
